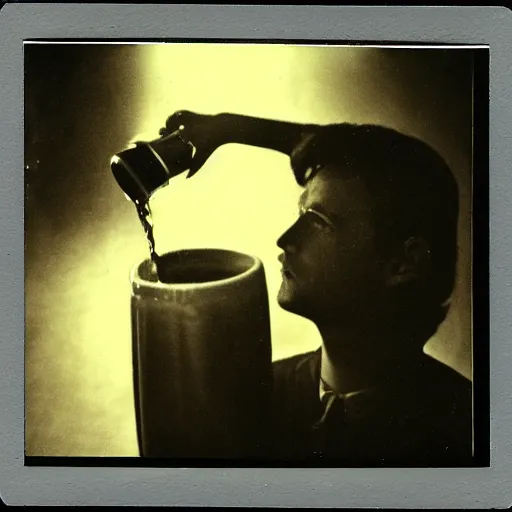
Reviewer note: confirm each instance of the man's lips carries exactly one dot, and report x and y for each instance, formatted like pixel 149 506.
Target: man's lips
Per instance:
pixel 285 269
pixel 286 274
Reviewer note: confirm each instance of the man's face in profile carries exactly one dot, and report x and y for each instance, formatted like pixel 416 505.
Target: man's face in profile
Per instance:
pixel 331 266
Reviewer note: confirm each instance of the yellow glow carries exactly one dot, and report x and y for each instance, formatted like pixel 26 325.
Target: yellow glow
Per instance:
pixel 244 197
pixel 79 386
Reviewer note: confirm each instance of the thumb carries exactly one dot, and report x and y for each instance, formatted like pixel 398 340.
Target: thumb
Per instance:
pixel 198 161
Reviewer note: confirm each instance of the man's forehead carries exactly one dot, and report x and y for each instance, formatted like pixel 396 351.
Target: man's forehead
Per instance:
pixel 335 191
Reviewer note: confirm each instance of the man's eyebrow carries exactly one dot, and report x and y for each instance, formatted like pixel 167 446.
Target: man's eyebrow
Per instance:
pixel 317 209
pixel 320 209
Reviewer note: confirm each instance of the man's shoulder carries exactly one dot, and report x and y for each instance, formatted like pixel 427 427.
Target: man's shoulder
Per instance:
pixel 449 407
pixel 300 363
pixel 439 398
pixel 296 360
pixel 297 377
pixel 448 381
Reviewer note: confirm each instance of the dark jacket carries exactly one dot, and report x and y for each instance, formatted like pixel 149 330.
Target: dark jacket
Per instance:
pixel 420 417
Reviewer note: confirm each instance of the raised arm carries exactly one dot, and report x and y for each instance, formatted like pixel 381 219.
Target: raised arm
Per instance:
pixel 208 132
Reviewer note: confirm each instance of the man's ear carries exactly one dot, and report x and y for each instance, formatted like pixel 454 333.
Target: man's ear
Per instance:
pixel 411 262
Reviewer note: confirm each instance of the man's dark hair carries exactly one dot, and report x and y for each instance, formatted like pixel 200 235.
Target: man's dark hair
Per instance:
pixel 415 194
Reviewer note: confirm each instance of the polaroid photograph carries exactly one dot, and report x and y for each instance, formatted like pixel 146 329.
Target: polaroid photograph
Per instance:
pixel 250 260
pixel 305 289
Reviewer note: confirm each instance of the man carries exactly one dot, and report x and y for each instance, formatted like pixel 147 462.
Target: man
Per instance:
pixel 371 261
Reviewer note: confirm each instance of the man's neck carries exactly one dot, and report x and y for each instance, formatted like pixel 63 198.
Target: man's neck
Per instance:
pixel 357 360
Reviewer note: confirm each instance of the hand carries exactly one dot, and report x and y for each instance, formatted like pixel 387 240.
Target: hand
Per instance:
pixel 205 132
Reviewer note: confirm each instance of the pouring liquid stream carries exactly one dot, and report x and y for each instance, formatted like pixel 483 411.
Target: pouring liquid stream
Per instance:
pixel 144 213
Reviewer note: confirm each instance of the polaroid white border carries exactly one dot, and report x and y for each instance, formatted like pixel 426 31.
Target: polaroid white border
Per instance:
pixel 347 488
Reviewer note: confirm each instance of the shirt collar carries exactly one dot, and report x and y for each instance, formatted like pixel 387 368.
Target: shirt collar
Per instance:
pixel 325 390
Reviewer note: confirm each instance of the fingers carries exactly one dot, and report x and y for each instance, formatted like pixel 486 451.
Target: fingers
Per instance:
pixel 192 127
pixel 178 120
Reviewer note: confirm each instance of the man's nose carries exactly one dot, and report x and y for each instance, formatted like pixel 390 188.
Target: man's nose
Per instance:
pixel 289 240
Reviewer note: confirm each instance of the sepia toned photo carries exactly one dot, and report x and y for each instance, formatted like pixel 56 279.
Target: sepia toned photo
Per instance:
pixel 252 254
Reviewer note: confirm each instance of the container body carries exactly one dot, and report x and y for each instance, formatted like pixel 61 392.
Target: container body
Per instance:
pixel 202 356
pixel 143 168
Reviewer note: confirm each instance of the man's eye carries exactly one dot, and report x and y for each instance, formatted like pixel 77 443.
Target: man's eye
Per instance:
pixel 315 219
pixel 319 221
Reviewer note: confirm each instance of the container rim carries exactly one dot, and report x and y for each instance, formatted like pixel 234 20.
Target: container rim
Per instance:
pixel 254 266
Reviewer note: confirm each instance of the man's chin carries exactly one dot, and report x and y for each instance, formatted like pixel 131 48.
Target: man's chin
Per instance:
pixel 284 298
pixel 288 301
pixel 285 303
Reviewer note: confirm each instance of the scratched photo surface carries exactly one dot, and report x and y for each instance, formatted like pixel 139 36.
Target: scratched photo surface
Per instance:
pixel 86 102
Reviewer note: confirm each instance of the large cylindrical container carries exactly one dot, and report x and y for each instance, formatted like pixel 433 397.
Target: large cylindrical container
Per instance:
pixel 202 356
